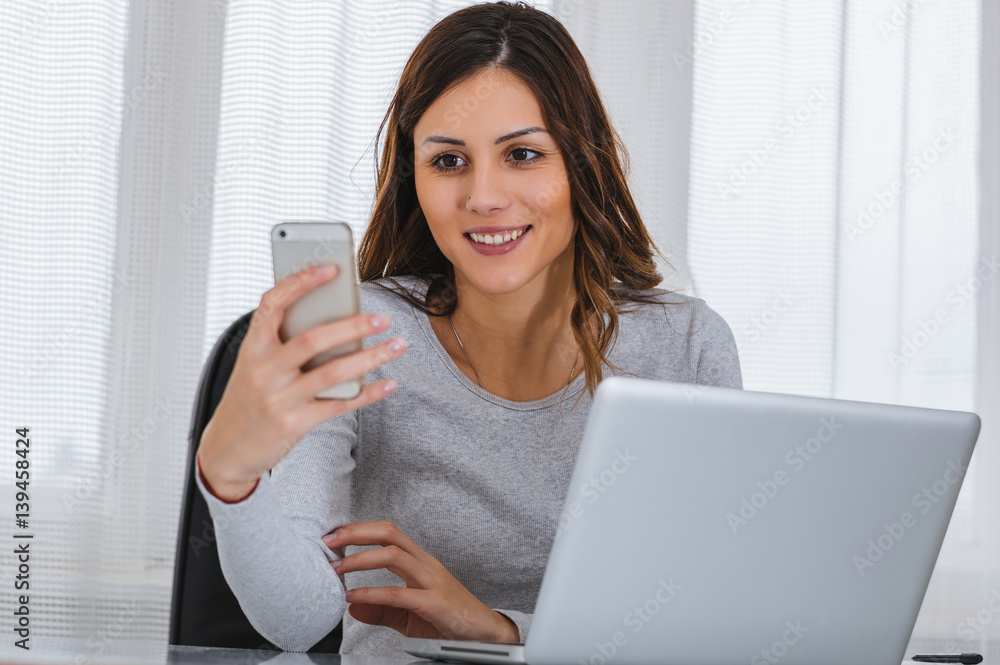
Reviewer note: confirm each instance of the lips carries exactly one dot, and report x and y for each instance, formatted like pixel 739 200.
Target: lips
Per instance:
pixel 493 230
pixel 498 238
pixel 494 250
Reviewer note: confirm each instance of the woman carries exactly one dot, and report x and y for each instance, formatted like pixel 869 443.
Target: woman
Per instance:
pixel 513 264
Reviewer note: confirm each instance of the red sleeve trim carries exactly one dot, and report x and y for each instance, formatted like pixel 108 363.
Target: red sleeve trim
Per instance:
pixel 197 464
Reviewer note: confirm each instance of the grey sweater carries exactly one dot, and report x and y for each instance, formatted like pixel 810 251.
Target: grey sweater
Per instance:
pixel 476 480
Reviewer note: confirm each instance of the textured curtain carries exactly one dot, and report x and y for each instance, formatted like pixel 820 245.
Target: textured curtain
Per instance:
pixel 839 223
pixel 110 112
pixel 824 174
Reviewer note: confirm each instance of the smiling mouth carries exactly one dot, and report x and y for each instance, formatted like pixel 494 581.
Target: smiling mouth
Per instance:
pixel 497 238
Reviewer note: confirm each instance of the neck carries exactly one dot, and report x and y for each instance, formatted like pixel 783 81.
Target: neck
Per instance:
pixel 524 338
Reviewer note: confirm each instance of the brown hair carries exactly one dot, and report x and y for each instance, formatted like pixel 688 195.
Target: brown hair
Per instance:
pixel 613 257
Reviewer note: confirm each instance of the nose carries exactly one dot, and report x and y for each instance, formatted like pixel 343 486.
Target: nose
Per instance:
pixel 489 194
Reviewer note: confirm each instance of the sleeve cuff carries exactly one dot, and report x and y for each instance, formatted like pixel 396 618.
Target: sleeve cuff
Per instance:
pixel 521 620
pixel 204 483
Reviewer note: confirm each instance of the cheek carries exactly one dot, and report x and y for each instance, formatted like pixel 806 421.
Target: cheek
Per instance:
pixel 430 199
pixel 551 199
pixel 422 187
pixel 549 196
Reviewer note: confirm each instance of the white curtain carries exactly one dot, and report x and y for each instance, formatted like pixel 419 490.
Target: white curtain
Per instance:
pixel 836 224
pixel 821 173
pixel 109 112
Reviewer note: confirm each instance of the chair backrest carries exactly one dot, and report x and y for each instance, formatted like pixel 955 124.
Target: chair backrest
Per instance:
pixel 204 611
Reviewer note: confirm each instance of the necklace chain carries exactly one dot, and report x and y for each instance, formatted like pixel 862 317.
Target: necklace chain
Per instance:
pixel 466 354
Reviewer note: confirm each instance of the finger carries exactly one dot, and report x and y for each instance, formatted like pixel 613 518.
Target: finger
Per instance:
pixel 348 368
pixel 266 319
pixel 300 348
pixel 402 598
pixel 310 411
pixel 408 623
pixel 379 615
pixel 393 559
pixel 320 410
pixel 382 533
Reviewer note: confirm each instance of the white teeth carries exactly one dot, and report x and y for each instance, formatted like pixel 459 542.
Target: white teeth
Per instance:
pixel 497 239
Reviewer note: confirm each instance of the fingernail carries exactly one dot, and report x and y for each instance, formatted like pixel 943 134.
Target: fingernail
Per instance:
pixel 389 385
pixel 348 593
pixel 336 564
pixel 330 537
pixel 377 321
pixel 326 269
pixel 397 345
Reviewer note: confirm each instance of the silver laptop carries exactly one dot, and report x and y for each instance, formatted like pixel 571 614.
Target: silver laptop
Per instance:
pixel 706 526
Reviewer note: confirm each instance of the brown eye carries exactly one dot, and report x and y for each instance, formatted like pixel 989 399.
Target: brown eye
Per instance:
pixel 438 163
pixel 521 155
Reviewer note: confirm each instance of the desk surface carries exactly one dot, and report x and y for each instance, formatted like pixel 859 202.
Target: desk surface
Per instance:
pixel 79 652
pixel 62 651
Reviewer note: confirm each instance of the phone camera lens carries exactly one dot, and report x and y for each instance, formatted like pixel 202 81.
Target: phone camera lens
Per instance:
pixel 282 233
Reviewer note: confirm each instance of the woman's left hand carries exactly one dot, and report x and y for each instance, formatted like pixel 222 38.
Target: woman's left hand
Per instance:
pixel 433 604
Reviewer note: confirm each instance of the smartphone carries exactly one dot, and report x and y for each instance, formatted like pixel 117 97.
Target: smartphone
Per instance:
pixel 296 246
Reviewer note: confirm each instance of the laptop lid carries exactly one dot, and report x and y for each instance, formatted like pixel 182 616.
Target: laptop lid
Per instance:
pixel 714 525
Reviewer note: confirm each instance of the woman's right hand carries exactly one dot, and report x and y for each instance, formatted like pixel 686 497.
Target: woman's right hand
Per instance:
pixel 269 403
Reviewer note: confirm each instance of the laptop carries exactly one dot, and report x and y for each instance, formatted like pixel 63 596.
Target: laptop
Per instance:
pixel 708 526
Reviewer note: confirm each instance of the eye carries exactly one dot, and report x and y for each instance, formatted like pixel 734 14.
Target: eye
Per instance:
pixel 444 163
pixel 525 160
pixel 440 166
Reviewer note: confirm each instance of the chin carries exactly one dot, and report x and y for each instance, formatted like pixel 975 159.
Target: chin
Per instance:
pixel 496 285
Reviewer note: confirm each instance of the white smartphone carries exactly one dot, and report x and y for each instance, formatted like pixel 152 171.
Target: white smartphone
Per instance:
pixel 296 246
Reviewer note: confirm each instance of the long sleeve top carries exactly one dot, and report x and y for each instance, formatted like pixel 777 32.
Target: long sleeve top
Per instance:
pixel 474 479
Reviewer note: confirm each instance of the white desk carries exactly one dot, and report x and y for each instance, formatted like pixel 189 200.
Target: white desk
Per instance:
pixel 123 652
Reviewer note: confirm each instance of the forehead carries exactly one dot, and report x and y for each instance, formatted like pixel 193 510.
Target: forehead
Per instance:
pixel 480 109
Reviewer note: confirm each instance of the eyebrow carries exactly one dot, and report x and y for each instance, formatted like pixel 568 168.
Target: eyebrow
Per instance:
pixel 505 137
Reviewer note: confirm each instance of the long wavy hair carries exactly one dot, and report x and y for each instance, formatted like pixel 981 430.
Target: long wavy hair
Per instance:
pixel 613 252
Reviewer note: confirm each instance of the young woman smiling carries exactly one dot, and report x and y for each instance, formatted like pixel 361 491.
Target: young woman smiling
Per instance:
pixel 510 258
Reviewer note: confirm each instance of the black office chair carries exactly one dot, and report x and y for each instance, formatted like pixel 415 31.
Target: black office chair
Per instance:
pixel 204 611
